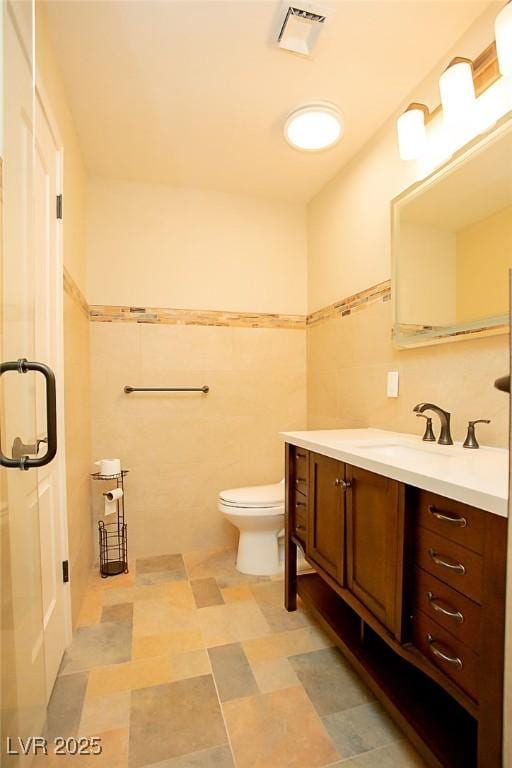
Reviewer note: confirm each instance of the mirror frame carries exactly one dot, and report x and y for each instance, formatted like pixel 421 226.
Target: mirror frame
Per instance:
pixel 464 331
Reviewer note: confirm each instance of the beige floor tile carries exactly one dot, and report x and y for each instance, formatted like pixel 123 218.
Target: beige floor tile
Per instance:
pixel 176 719
pixel 151 617
pixel 288 643
pixel 274 675
pixel 113 582
pixel 231 623
pixel 220 565
pixel 398 755
pixel 270 598
pixel 278 729
pixel 179 593
pixel 164 643
pixel 189 664
pixel 114 750
pixel 105 713
pixel 235 594
pixel 145 673
pixel 92 605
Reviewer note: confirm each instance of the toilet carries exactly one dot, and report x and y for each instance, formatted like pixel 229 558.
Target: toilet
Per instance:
pixel 258 513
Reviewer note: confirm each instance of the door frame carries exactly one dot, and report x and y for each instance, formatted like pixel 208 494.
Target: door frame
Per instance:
pixel 41 95
pixel 507 687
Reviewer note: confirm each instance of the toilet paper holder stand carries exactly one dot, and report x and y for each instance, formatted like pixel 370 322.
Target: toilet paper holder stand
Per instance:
pixel 113 538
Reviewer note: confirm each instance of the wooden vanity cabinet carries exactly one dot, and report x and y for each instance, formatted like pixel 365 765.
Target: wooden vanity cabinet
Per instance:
pixel 411 586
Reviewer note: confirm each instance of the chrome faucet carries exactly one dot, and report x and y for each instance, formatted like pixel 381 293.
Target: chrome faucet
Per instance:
pixel 445 437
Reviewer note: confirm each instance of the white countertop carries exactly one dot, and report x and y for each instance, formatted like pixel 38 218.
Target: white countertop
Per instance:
pixel 475 477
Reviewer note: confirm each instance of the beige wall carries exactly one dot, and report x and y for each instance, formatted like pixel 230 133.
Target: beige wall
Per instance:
pixel 349 250
pixel 76 326
pixel 150 245
pixel 161 246
pixel 348 359
pixel 182 449
pixel 484 257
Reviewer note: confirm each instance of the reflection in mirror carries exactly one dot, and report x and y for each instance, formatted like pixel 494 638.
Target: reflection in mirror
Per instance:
pixel 452 247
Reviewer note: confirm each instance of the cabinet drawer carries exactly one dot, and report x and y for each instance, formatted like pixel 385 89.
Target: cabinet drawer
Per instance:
pixel 300 519
pixel 454 565
pixel 447 653
pixel 457 614
pixel 455 521
pixel 300 470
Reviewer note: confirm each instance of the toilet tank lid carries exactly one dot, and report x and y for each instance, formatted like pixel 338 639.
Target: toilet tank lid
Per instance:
pixel 255 495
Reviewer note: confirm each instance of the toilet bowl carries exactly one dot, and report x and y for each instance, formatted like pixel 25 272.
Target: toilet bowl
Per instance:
pixel 258 513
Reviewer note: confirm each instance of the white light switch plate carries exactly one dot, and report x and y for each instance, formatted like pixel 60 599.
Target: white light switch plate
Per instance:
pixel 392 387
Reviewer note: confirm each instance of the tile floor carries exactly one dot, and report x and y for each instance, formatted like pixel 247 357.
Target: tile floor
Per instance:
pixel 185 663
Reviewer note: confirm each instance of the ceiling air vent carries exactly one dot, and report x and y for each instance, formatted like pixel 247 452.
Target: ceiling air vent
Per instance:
pixel 300 29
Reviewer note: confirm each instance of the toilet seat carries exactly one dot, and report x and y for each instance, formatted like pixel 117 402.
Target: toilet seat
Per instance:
pixel 236 509
pixel 254 497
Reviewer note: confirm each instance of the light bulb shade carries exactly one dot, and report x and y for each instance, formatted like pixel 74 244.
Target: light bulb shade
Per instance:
pixel 315 127
pixel 412 135
pixel 503 32
pixel 458 92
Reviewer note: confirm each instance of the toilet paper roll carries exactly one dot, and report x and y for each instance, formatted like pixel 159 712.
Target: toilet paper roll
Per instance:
pixel 114 494
pixel 109 466
pixel 111 499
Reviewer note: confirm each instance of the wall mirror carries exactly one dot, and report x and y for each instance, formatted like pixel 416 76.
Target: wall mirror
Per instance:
pixel 452 247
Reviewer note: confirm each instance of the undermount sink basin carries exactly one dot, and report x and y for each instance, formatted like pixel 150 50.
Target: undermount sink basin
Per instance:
pixel 402 451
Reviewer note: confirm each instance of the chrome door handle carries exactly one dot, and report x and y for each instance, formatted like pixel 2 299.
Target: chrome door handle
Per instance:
pixel 453 566
pixel 341 483
pixel 25 462
pixel 454 660
pixel 438 606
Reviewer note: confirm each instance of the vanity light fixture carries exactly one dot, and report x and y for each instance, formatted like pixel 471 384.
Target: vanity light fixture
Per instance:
pixel 412 136
pixel 503 32
pixel 314 127
pixel 458 91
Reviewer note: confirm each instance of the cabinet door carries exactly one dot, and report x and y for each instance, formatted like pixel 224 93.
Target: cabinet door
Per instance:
pixel 375 544
pixel 326 516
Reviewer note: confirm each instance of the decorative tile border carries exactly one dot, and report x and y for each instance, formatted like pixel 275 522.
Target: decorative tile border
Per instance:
pixel 103 313
pixel 165 316
pixel 377 294
pixel 74 292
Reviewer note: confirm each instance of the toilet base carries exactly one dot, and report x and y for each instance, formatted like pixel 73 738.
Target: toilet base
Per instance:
pixel 258 553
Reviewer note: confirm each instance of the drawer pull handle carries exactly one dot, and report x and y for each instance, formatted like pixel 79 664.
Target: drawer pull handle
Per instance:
pixel 300 504
pixel 301 455
pixel 300 480
pixel 438 606
pixel 341 483
pixel 453 660
pixel 461 522
pixel 300 527
pixel 452 565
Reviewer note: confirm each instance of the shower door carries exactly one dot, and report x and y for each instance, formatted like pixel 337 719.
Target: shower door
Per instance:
pixel 30 596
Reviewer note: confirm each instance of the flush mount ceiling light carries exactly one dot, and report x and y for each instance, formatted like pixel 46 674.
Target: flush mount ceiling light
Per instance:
pixel 503 31
pixel 314 127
